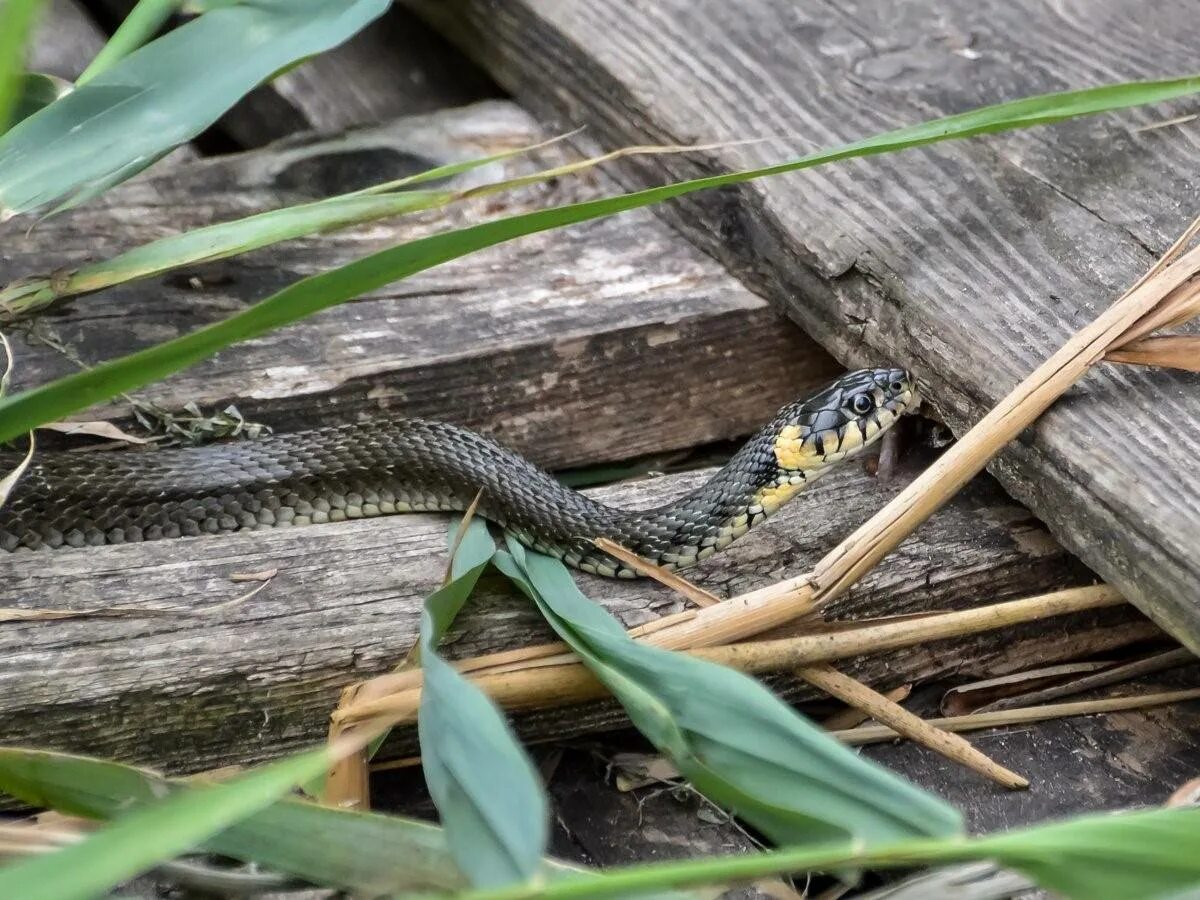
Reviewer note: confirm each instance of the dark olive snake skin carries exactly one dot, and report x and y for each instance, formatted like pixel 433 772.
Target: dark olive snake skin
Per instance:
pixel 377 468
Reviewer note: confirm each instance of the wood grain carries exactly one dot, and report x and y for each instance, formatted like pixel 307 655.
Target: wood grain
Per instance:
pixel 253 680
pixel 397 66
pixel 969 262
pixel 598 343
pixel 65 41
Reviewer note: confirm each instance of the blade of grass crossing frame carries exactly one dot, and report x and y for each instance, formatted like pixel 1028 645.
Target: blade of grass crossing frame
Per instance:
pixel 155 832
pixel 161 95
pixel 72 393
pixel 1151 855
pixel 17 20
pixel 141 24
pixel 376 855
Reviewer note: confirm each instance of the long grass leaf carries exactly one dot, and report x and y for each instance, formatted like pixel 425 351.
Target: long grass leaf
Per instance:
pixel 17 18
pixel 142 23
pixel 155 832
pixel 370 853
pixel 161 95
pixel 1152 855
pixel 50 402
pixel 739 744
pixel 487 791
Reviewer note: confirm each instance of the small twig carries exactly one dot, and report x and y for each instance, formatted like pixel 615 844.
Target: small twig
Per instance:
pixel 911 726
pixel 19 614
pixel 1165 123
pixel 1115 675
pixel 677 583
pixel 873 734
pixel 1175 351
pixel 852 717
pixel 459 534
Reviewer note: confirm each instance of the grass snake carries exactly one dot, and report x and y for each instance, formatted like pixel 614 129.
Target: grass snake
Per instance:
pixel 409 465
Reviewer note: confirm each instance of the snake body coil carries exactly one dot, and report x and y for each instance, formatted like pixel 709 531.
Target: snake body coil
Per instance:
pixel 410 465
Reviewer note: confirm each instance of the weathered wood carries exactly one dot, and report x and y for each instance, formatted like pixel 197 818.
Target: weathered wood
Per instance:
pixel 397 66
pixel 253 680
pixel 969 262
pixel 1079 765
pixel 599 343
pixel 65 41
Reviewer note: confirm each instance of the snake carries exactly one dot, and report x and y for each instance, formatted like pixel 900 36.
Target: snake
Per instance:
pixel 338 472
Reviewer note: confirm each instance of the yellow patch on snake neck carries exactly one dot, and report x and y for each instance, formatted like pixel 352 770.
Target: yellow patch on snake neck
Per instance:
pixel 789 451
pixel 773 497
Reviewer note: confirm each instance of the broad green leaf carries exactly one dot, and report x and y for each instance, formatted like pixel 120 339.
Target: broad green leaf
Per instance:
pixel 486 790
pixel 373 854
pixel 58 399
pixel 35 91
pixel 161 95
pixel 154 832
pixel 739 744
pixel 142 23
pixel 17 19
pixel 1151 855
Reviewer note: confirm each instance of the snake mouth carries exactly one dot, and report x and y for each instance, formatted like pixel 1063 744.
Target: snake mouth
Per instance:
pixel 863 406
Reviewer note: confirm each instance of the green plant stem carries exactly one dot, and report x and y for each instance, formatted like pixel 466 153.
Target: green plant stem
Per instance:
pixel 142 23
pixel 1056 854
pixel 17 19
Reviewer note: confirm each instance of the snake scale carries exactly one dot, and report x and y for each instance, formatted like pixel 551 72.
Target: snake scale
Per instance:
pixel 409 465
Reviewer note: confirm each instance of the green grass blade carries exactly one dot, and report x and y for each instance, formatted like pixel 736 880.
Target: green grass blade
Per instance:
pixel 373 854
pixel 17 19
pixel 735 741
pixel 155 832
pixel 225 239
pixel 163 94
pixel 36 91
pixel 215 242
pixel 486 789
pixel 50 402
pixel 142 23
pixel 1152 855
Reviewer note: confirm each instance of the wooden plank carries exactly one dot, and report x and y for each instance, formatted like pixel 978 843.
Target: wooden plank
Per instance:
pixel 970 262
pixel 561 344
pixel 397 66
pixel 65 42
pixel 254 680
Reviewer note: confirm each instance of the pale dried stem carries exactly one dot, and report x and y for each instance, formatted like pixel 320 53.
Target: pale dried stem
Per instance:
pixel 907 724
pixel 1176 351
pixel 850 717
pixel 873 734
pixel 572 683
pixel 675 582
pixel 1115 675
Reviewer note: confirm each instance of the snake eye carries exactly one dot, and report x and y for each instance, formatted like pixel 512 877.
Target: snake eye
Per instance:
pixel 896 387
pixel 862 404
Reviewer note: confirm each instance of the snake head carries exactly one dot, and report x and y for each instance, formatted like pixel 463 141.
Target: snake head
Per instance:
pixel 844 419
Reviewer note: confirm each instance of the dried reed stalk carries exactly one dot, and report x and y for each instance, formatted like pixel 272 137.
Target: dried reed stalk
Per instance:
pixel 873 734
pixel 568 683
pixel 911 726
pixel 1104 678
pixel 852 717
